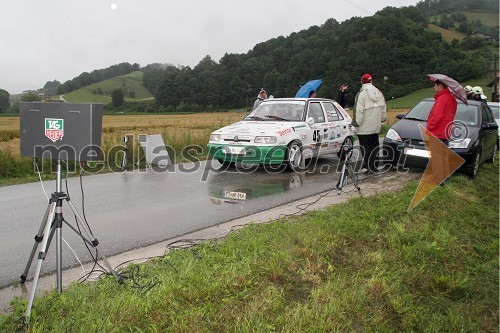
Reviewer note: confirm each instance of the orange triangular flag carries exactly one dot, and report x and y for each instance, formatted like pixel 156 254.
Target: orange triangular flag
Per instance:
pixel 443 163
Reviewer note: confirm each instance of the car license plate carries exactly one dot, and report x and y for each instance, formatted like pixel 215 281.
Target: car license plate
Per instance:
pixel 234 150
pixel 418 152
pixel 235 195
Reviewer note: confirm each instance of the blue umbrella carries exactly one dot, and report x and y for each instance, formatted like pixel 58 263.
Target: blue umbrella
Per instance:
pixel 307 88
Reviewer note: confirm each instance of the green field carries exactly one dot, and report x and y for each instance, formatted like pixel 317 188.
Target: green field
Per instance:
pixel 129 83
pixel 488 19
pixel 448 35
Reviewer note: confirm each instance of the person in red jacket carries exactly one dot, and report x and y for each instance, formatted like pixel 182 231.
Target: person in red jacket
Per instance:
pixel 442 113
pixel 439 124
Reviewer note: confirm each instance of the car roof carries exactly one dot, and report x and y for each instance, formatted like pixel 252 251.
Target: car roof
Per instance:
pixel 299 99
pixel 494 103
pixel 469 102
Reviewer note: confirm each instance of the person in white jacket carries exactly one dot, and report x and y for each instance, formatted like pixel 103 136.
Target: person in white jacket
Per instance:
pixel 369 114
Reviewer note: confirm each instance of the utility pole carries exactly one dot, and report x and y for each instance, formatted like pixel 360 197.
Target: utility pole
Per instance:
pixel 495 94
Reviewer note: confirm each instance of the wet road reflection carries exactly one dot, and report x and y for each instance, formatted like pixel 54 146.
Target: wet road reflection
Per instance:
pixel 239 184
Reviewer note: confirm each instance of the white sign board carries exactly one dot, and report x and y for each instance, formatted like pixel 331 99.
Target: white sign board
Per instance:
pixel 154 149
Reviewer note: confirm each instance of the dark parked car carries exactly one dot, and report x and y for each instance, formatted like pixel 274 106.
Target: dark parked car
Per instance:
pixel 474 127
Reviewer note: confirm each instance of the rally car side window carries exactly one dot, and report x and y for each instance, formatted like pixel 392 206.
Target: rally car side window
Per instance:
pixel 332 113
pixel 316 112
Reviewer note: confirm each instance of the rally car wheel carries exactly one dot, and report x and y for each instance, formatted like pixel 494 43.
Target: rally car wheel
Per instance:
pixel 293 156
pixel 225 164
pixel 346 149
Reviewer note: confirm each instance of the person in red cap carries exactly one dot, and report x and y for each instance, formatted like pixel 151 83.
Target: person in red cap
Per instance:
pixel 368 115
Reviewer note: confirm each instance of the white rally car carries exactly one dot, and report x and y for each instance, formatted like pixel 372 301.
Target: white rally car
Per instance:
pixel 284 130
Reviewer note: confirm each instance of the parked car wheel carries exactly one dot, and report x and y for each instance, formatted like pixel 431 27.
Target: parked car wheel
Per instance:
pixel 294 155
pixel 493 155
pixel 474 168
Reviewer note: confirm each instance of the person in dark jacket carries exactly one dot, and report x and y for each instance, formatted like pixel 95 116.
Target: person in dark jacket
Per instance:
pixel 341 96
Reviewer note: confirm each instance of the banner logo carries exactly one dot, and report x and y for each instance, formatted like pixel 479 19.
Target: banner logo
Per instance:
pixel 54 129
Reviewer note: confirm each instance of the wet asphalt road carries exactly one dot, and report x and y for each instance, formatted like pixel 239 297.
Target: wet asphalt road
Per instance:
pixel 127 210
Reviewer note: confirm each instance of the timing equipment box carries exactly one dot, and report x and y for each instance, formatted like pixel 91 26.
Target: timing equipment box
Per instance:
pixel 61 131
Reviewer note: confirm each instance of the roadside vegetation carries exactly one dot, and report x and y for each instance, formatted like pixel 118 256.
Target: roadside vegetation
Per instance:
pixel 367 265
pixel 178 131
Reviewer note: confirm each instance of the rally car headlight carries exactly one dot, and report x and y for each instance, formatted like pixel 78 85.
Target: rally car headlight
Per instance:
pixel 265 139
pixel 393 135
pixel 215 137
pixel 459 144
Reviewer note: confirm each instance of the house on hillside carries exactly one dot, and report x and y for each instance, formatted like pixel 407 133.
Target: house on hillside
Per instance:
pixel 480 35
pixel 43 97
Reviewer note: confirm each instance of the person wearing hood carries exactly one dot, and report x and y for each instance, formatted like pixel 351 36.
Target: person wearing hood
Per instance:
pixel 260 98
pixel 369 113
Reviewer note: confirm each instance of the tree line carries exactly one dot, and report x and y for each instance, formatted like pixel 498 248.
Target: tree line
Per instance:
pixel 394 45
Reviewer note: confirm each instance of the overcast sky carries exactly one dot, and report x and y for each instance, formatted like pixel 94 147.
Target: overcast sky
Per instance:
pixel 59 39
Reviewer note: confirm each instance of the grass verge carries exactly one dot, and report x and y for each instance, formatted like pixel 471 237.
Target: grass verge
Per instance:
pixel 367 265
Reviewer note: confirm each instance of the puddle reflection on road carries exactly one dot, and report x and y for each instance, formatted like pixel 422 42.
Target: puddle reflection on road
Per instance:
pixel 236 185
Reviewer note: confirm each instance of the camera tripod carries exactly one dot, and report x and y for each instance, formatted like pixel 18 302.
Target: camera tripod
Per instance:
pixel 52 223
pixel 347 170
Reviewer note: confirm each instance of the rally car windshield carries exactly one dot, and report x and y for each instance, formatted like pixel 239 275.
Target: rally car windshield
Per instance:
pixel 278 111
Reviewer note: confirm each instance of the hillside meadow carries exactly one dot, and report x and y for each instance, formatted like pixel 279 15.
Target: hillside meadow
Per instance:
pixel 129 83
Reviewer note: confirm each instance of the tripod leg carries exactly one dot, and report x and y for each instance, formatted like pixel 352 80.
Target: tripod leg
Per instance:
pixel 58 219
pixel 95 242
pixel 41 256
pixel 353 177
pixel 38 239
pixel 341 181
pixel 124 158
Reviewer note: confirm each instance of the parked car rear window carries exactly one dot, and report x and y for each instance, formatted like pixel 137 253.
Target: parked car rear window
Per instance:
pixel 496 111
